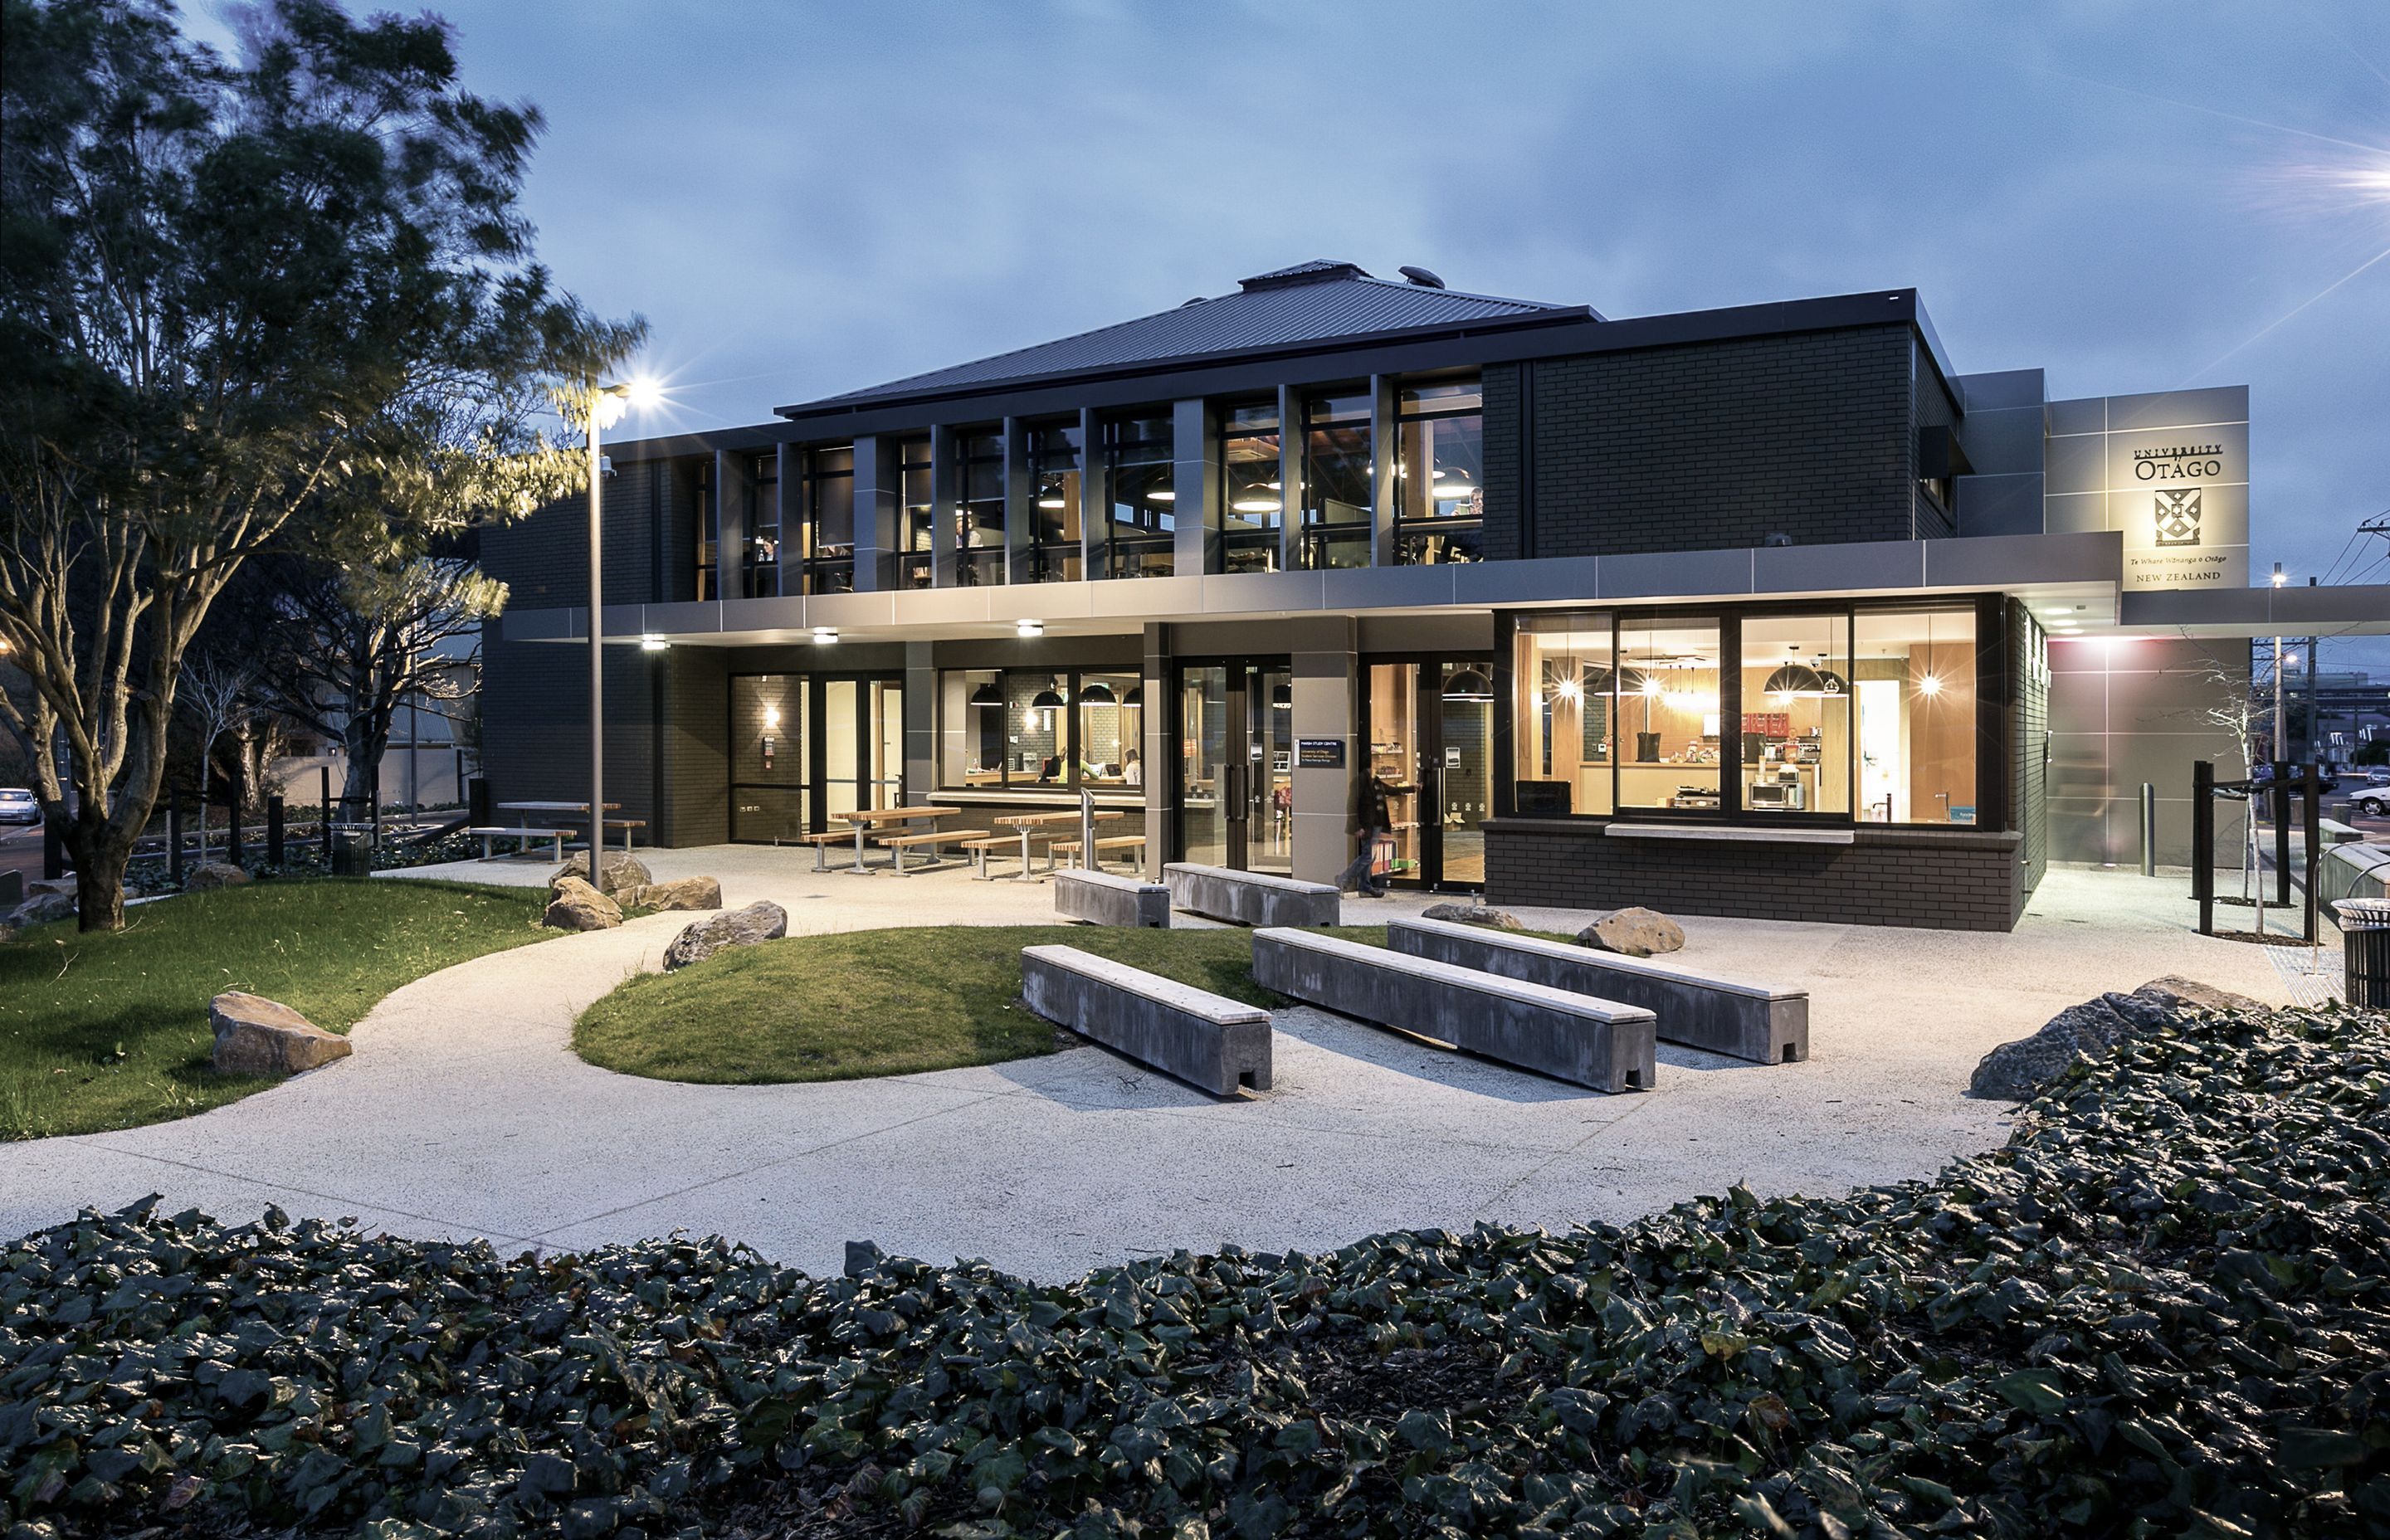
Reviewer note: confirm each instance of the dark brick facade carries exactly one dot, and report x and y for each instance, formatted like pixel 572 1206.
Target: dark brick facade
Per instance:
pixel 1931 878
pixel 1710 445
pixel 2028 664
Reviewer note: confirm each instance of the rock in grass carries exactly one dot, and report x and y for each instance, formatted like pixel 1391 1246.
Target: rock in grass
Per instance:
pixel 208 875
pixel 43 909
pixel 757 922
pixel 2022 1070
pixel 620 870
pixel 1472 913
pixel 258 1036
pixel 689 892
pixel 573 904
pixel 1633 933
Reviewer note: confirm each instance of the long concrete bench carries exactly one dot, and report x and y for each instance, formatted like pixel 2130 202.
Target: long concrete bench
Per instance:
pixel 1204 1039
pixel 1250 898
pixel 1605 1044
pixel 1106 899
pixel 1755 1022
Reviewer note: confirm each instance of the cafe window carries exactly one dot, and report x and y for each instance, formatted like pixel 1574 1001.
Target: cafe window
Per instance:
pixel 764 531
pixel 1253 502
pixel 1049 728
pixel 1053 553
pixel 1140 532
pixel 916 513
pixel 1563 700
pixel 1796 715
pixel 1440 472
pixel 1108 744
pixel 1667 730
pixel 829 503
pixel 978 523
pixel 1337 497
pixel 1913 676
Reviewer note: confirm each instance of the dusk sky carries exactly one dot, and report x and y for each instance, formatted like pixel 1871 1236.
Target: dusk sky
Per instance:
pixel 804 199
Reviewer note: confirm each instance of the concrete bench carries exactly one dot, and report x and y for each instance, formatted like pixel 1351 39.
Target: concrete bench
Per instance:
pixel 1103 898
pixel 522 837
pixel 1605 1044
pixel 1754 1021
pixel 1201 1038
pixel 1250 898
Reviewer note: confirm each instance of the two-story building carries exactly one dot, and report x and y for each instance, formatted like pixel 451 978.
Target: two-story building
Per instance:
pixel 1766 610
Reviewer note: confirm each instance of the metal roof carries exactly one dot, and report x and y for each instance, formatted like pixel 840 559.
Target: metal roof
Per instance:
pixel 1313 301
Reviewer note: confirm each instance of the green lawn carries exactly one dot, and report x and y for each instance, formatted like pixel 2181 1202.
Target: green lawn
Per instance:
pixel 111 1030
pixel 877 1002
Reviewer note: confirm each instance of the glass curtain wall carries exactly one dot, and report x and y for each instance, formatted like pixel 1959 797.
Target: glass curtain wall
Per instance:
pixel 1397 768
pixel 829 520
pixel 709 536
pixel 1913 672
pixel 915 513
pixel 1040 727
pixel 1054 552
pixel 1252 502
pixel 978 523
pixel 1203 765
pixel 1564 699
pixel 1796 713
pixel 1337 493
pixel 1464 772
pixel 764 531
pixel 1439 476
pixel 1141 533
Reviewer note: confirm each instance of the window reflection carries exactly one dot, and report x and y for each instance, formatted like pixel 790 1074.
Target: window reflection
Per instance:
pixel 1252 503
pixel 1140 530
pixel 829 533
pixel 1440 507
pixel 979 522
pixel 1337 496
pixel 913 483
pixel 1053 554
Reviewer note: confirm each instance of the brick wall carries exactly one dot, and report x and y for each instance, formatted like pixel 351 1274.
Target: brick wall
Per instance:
pixel 1708 446
pixel 1930 880
pixel 650 527
pixel 2028 763
pixel 536 724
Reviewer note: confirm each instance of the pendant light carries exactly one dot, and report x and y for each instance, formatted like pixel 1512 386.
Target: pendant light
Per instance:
pixel 1794 679
pixel 1047 699
pixel 1097 694
pixel 1467 684
pixel 987 695
pixel 1136 696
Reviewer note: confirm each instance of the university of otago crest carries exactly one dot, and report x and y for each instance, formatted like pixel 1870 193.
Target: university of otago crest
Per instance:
pixel 2177 517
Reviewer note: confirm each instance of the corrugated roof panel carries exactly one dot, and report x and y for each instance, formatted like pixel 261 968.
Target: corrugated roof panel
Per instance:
pixel 1282 314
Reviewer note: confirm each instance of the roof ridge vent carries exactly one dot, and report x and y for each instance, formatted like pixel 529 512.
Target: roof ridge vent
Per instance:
pixel 1317 270
pixel 1422 277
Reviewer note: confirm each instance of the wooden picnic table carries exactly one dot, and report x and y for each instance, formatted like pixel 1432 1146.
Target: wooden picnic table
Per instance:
pixel 579 810
pixel 1028 823
pixel 866 819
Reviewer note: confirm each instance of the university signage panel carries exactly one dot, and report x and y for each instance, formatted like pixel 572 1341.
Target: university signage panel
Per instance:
pixel 2178 485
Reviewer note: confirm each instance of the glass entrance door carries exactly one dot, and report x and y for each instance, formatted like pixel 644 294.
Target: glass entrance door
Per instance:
pixel 1431 729
pixel 805 749
pixel 1236 766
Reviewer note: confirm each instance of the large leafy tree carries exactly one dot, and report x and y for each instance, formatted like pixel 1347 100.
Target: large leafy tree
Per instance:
pixel 283 298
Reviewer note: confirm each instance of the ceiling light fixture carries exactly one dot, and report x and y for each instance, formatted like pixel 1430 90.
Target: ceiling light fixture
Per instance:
pixel 825 635
pixel 1929 685
pixel 652 643
pixel 1029 628
pixel 1097 693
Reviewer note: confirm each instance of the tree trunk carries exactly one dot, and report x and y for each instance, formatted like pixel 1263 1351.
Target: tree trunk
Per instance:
pixel 100 854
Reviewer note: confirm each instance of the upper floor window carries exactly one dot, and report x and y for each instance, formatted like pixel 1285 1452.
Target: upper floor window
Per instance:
pixel 979 522
pixel 1337 497
pixel 1252 499
pixel 1439 476
pixel 764 529
pixel 1053 554
pixel 709 536
pixel 1140 530
pixel 917 512
pixel 827 500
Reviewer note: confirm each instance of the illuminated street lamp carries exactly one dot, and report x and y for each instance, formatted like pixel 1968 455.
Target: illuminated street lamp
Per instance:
pixel 607 404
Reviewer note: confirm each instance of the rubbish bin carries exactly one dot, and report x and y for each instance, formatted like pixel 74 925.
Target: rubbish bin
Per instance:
pixel 352 852
pixel 2365 949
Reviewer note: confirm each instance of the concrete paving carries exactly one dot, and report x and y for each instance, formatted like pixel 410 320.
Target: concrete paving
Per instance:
pixel 465 1112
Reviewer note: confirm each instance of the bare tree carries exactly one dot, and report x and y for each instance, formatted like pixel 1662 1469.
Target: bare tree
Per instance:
pixel 218 696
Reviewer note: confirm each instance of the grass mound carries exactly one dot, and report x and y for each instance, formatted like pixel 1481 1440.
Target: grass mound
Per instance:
pixel 872 1002
pixel 2160 1310
pixel 101 1031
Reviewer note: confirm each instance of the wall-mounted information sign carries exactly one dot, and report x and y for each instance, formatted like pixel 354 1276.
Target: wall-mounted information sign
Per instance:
pixel 1320 753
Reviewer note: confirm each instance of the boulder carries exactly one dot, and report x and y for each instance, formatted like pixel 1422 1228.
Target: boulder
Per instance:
pixel 757 922
pixel 689 892
pixel 257 1036
pixel 210 875
pixel 621 869
pixel 2022 1070
pixel 42 910
pixel 1472 913
pixel 1633 933
pixel 573 904
pixel 51 885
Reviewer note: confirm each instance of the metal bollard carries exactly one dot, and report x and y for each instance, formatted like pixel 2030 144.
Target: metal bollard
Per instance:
pixel 2148 830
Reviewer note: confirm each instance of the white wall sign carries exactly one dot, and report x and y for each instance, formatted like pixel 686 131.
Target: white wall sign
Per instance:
pixel 2178 490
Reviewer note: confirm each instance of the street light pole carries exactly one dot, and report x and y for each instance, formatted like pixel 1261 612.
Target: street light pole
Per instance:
pixel 599 403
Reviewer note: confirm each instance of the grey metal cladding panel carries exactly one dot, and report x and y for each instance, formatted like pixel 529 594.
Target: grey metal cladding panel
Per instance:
pixel 2001 389
pixel 2084 513
pixel 1665 573
pixel 1226 592
pixel 2001 560
pixel 2178 408
pixel 855 610
pixel 783 612
pixel 539 625
pixel 1546 581
pixel 2002 442
pixel 1387 587
pixel 2088 415
pixel 2077 462
pixel 1142 598
pixel 1825 569
pixel 1270 318
pixel 2002 504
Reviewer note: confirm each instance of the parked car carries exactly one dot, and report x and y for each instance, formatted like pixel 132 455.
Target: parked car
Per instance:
pixel 2377 777
pixel 2373 801
pixel 18 806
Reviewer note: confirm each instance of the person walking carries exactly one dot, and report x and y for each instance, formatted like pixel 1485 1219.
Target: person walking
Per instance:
pixel 1374 822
